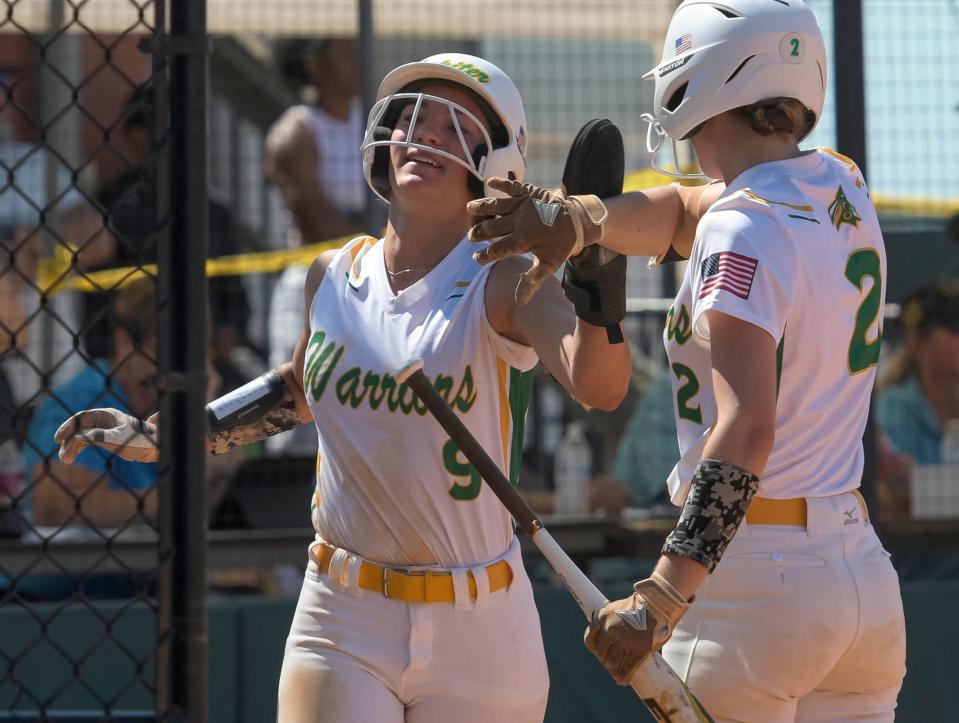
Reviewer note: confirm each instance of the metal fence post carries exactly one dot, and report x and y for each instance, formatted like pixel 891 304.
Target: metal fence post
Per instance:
pixel 182 357
pixel 850 86
pixel 373 215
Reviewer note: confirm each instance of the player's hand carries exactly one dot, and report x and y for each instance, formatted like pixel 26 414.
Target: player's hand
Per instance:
pixel 545 222
pixel 118 432
pixel 625 632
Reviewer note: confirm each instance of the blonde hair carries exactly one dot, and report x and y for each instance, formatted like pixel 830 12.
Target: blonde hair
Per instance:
pixel 779 115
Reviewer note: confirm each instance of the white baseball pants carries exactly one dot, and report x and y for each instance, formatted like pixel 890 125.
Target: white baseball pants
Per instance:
pixel 354 656
pixel 798 624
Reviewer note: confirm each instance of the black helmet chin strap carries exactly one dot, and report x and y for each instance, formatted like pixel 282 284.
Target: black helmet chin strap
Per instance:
pixel 475 185
pixel 380 170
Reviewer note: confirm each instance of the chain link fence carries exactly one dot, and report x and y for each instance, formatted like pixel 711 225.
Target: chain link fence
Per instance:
pixel 86 605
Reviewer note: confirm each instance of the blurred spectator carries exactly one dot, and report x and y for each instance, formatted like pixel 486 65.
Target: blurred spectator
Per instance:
pixel 313 150
pixel 648 449
pixel 893 470
pixel 36 196
pixel 920 393
pixel 133 226
pixel 646 454
pixel 112 491
pixel 313 156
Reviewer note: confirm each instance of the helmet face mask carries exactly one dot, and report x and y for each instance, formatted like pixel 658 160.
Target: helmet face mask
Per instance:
pixel 500 152
pixel 392 106
pixel 656 136
pixel 722 55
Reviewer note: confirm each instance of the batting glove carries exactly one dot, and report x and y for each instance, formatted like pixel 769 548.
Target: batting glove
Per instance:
pixel 115 431
pixel 625 632
pixel 544 222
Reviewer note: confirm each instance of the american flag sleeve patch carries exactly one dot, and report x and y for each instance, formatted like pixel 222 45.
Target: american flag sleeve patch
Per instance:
pixel 728 271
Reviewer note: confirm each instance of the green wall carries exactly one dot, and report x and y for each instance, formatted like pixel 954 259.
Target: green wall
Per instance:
pixel 246 648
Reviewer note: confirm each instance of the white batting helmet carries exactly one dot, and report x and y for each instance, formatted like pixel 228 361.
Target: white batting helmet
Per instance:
pixel 724 54
pixel 503 152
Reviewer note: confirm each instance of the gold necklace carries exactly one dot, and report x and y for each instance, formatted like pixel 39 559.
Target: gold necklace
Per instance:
pixel 394 274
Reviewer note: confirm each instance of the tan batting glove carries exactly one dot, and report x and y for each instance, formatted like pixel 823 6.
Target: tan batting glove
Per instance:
pixel 625 632
pixel 544 222
pixel 117 432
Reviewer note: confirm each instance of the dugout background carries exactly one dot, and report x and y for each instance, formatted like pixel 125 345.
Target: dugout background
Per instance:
pixel 196 190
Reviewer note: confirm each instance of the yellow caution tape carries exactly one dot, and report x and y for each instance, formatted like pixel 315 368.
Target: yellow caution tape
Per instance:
pixel 54 274
pixel 59 273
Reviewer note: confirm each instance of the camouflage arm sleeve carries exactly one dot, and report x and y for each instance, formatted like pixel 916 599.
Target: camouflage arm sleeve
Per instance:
pixel 255 411
pixel 714 509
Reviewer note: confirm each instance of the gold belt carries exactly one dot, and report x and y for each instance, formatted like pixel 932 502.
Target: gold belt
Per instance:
pixel 765 511
pixel 416 586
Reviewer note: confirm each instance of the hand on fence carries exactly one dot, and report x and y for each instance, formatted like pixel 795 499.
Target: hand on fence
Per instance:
pixel 113 430
pixel 545 222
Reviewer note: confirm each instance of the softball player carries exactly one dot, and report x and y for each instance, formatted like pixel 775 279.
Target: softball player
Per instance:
pixel 773 341
pixel 415 605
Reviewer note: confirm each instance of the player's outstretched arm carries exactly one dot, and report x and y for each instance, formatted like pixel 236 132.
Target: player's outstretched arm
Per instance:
pixel 660 222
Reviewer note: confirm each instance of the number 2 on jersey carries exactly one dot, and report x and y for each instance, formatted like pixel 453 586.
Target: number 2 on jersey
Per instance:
pixel 686 392
pixel 862 352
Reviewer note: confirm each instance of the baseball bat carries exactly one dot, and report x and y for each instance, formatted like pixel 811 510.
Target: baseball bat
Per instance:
pixel 663 692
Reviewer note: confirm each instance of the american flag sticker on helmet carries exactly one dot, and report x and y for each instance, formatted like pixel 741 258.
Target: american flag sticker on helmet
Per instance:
pixel 683 43
pixel 728 271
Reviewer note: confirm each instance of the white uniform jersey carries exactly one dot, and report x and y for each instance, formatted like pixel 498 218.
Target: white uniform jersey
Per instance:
pixel 793 247
pixel 340 170
pixel 391 485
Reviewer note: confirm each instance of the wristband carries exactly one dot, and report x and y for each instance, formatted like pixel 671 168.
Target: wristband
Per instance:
pixel 715 507
pixel 595 281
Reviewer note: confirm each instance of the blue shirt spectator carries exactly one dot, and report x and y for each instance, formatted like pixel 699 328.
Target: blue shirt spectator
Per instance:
pixel 920 393
pixel 648 449
pixel 909 421
pixel 91 388
pixel 99 490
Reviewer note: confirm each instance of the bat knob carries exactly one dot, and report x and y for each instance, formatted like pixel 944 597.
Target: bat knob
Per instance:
pixel 409 369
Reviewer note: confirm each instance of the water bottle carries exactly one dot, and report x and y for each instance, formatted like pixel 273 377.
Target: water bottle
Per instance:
pixel 572 468
pixel 949 444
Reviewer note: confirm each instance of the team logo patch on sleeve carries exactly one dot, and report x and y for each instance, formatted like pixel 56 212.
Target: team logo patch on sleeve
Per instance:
pixel 841 211
pixel 728 271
